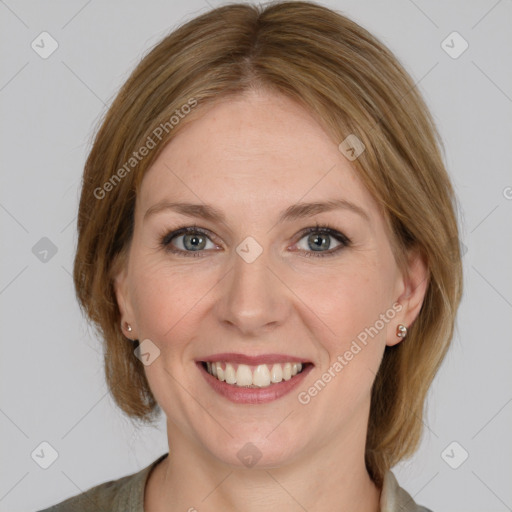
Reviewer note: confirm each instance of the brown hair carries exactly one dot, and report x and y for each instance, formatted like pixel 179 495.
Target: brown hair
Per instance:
pixel 353 85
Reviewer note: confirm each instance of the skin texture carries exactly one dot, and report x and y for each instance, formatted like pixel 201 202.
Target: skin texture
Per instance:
pixel 252 157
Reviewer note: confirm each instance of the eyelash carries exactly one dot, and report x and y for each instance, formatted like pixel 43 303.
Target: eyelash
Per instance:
pixel 165 240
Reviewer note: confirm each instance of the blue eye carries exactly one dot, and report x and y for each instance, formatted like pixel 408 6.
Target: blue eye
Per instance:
pixel 194 241
pixel 317 238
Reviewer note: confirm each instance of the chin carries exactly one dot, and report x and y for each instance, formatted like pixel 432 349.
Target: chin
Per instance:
pixel 254 451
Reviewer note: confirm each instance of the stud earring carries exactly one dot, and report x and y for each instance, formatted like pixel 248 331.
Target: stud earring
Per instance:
pixel 401 331
pixel 128 327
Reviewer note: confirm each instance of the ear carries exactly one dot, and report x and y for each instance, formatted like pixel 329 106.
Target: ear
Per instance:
pixel 414 283
pixel 122 292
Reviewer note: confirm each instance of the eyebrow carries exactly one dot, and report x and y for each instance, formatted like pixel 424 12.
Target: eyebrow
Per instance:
pixel 293 212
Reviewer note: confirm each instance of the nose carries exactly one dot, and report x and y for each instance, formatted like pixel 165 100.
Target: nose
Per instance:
pixel 253 300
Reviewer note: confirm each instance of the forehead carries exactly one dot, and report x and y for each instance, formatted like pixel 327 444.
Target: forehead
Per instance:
pixel 253 152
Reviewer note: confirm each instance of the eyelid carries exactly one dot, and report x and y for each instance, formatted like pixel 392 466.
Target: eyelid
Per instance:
pixel 174 233
pixel 169 236
pixel 325 229
pixel 344 241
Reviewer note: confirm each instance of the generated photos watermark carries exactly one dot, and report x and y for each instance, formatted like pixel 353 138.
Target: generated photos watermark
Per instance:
pixel 145 149
pixel 304 397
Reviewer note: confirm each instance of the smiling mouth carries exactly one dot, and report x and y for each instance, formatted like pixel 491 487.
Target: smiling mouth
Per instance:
pixel 248 376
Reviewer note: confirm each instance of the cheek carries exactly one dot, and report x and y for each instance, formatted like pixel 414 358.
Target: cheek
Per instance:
pixel 350 301
pixel 165 297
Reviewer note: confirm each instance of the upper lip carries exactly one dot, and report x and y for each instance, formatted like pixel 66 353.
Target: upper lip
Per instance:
pixel 252 360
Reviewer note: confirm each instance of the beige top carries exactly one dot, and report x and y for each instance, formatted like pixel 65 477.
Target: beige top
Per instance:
pixel 127 495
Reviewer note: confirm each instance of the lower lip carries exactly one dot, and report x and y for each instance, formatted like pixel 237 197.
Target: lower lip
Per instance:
pixel 241 395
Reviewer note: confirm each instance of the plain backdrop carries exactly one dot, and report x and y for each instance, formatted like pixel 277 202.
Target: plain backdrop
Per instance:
pixel 52 384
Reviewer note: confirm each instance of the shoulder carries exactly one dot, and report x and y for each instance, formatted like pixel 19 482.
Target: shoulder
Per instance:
pixel 394 498
pixel 100 497
pixel 125 494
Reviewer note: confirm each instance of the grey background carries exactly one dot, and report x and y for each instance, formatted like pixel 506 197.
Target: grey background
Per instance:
pixel 52 386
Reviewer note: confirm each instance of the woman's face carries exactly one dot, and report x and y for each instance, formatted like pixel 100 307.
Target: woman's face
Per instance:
pixel 257 284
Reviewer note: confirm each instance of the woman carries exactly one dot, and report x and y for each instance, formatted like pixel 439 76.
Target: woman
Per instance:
pixel 266 215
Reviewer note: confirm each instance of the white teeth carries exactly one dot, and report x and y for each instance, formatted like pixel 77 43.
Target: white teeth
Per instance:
pixel 243 375
pixel 277 373
pixel 219 372
pixel 261 376
pixel 296 368
pixel 229 374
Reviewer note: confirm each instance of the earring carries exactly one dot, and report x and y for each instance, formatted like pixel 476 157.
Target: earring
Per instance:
pixel 128 327
pixel 401 331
